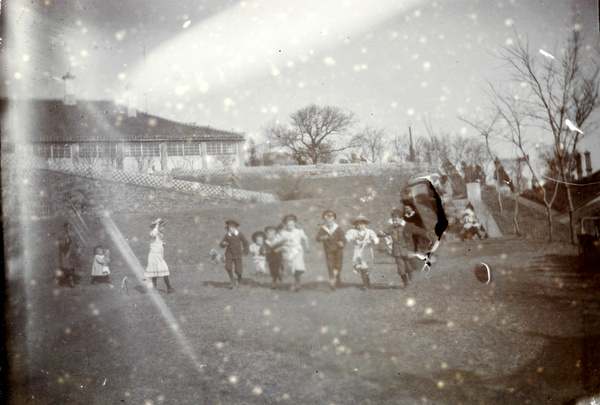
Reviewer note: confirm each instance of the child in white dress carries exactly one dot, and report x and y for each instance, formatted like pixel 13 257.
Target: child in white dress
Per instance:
pixel 157 267
pixel 361 237
pixel 259 260
pixel 100 265
pixel 293 249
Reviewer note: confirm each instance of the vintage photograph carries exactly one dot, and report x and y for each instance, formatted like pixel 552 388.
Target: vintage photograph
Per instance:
pixel 300 202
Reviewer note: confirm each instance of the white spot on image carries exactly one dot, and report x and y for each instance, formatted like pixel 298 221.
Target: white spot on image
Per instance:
pixel 329 61
pixel 120 35
pixel 508 41
pixel 546 54
pixel 410 111
pixel 186 24
pixel 227 102
pixel 427 66
pixel 509 22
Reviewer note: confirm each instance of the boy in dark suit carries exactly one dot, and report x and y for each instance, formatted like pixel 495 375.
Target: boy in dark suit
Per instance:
pixel 333 239
pixel 236 246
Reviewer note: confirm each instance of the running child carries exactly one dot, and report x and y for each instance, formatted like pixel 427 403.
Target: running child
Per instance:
pixel 259 260
pixel 361 237
pixel 273 253
pixel 236 246
pixel 293 250
pixel 333 239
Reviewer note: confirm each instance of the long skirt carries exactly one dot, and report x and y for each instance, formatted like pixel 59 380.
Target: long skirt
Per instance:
pixel 157 267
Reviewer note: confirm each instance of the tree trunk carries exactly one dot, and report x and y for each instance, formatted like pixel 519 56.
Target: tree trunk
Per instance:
pixel 571 209
pixel 549 213
pixel 516 215
pixel 498 189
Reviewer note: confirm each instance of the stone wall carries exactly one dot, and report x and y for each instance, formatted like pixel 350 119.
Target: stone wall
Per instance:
pixel 44 193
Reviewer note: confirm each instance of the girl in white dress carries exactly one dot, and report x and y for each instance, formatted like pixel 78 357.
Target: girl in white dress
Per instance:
pixel 259 260
pixel 293 249
pixel 100 265
pixel 157 267
pixel 361 238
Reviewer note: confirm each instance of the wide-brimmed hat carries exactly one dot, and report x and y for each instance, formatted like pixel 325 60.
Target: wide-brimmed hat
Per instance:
pixel 397 212
pixel 361 219
pixel 288 217
pixel 257 234
pixel 157 221
pixel 232 222
pixel 270 227
pixel 329 212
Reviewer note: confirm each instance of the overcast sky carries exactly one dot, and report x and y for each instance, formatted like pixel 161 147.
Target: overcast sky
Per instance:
pixel 238 65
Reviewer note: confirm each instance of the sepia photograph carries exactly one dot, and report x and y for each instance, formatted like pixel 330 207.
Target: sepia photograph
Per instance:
pixel 300 202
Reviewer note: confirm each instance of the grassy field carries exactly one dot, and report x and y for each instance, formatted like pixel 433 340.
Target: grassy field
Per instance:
pixel 528 337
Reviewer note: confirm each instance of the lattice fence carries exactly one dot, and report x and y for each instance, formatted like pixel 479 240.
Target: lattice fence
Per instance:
pixel 320 170
pixel 147 180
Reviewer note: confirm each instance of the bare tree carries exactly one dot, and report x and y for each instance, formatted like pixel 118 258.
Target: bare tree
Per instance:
pixel 515 167
pixel 400 147
pixel 315 133
pixel 372 144
pixel 555 90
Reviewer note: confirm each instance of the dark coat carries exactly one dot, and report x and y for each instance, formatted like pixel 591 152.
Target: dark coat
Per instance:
pixel 236 245
pixel 330 242
pixel 68 253
pixel 402 237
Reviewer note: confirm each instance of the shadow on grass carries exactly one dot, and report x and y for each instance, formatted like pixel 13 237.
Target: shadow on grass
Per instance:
pixel 565 371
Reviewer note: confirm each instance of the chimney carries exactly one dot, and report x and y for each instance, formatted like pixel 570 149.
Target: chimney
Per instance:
pixel 69 80
pixel 578 166
pixel 588 163
pixel 131 102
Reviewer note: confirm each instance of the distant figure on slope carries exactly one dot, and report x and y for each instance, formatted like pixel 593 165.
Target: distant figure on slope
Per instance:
pixel 333 239
pixel 157 267
pixel 471 225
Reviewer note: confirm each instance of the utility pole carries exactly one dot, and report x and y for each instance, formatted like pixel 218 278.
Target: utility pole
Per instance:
pixel 411 149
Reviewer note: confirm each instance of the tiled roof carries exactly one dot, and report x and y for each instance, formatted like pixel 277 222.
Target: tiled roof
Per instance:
pixel 53 121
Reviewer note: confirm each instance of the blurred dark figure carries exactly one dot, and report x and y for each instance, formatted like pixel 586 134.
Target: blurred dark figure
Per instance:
pixel 68 255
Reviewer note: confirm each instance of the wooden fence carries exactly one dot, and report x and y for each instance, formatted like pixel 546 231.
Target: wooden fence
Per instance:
pixel 164 181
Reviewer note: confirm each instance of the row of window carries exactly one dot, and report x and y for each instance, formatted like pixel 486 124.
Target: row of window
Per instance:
pixel 141 149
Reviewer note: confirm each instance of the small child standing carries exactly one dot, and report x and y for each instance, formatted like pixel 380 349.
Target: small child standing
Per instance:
pixel 361 237
pixel 100 265
pixel 259 260
pixel 332 237
pixel 272 250
pixel 236 246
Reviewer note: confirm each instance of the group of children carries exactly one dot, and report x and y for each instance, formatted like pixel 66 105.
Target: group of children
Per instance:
pixel 279 250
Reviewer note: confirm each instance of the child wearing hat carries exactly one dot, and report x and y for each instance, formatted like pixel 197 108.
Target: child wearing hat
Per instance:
pixel 157 267
pixel 236 246
pixel 361 237
pixel 259 260
pixel 333 239
pixel 293 251
pixel 272 251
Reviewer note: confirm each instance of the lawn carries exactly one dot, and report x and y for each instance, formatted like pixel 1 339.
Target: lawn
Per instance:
pixel 527 337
